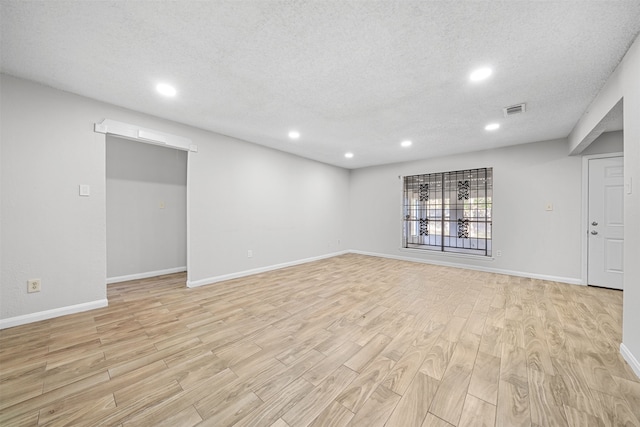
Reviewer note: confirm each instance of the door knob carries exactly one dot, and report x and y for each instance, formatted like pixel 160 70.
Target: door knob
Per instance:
pixel 594 223
pixel 594 232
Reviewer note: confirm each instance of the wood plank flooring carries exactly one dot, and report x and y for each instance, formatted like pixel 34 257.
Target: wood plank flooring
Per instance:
pixel 347 341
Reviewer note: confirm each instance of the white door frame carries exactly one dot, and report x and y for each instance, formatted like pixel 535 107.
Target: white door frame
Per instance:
pixel 584 220
pixel 155 137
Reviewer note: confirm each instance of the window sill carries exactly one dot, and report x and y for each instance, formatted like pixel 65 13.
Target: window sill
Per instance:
pixel 445 255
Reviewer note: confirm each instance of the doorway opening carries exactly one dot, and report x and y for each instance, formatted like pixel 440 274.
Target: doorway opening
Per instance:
pixel 146 199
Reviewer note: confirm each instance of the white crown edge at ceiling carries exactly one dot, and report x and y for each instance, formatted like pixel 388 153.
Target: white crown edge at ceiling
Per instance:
pixel 149 136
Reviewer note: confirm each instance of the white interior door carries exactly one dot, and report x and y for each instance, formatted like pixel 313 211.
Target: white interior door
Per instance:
pixel 606 222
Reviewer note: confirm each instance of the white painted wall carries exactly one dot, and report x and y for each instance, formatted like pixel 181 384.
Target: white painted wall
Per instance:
pixel 246 197
pixel 146 208
pixel 624 84
pixel 608 142
pixel 533 241
pixel 48 231
pixel 243 196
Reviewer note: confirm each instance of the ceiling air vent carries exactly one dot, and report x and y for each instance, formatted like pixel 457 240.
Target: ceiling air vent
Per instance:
pixel 514 109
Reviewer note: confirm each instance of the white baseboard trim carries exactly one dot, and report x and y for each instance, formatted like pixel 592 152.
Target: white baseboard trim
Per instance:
pixel 211 280
pixel 146 275
pixel 631 359
pixel 49 314
pixel 569 280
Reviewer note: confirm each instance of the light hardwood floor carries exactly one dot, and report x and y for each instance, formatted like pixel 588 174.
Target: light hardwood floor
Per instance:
pixel 346 341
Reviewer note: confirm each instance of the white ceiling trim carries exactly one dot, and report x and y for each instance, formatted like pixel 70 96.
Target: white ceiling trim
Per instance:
pixel 149 136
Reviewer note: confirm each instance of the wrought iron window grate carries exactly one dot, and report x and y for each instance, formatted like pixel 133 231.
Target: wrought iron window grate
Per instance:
pixel 449 211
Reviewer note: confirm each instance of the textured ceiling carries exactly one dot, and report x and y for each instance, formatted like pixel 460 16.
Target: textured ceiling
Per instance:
pixel 356 76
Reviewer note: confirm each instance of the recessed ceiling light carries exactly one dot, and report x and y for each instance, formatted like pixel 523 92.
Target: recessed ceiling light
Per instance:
pixel 492 126
pixel 348 155
pixel 294 134
pixel 406 143
pixel 480 74
pixel 166 90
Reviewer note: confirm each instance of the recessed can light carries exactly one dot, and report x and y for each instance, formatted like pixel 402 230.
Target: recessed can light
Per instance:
pixel 406 143
pixel 348 155
pixel 492 126
pixel 480 74
pixel 294 134
pixel 166 90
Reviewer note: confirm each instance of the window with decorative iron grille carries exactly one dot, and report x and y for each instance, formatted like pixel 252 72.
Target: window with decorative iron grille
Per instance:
pixel 449 211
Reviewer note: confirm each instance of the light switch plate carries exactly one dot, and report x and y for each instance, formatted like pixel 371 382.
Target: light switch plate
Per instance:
pixel 85 190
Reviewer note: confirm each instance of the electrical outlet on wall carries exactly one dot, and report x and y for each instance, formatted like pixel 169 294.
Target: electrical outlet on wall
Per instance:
pixel 33 285
pixel 249 253
pixel 498 253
